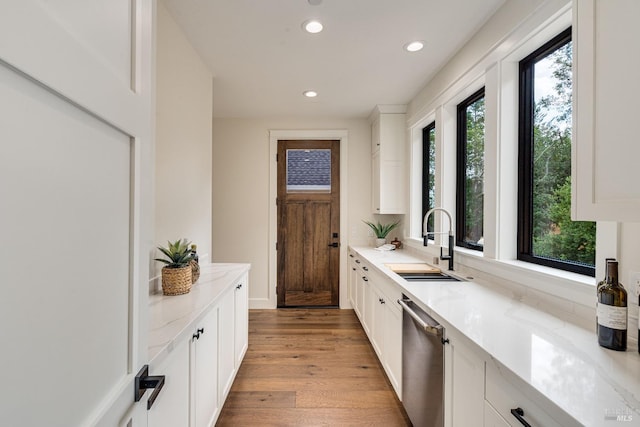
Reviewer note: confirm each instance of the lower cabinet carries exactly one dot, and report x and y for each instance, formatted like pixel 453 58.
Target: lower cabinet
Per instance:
pixel 353 278
pixel 204 378
pixel 171 408
pixel 241 325
pixel 199 372
pixel 392 355
pixel 226 352
pixel 381 319
pixel 464 382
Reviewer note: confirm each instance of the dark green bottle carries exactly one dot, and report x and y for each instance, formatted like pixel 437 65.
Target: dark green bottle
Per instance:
pixel 612 311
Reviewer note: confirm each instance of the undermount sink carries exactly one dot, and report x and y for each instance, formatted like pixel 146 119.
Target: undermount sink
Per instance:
pixel 428 277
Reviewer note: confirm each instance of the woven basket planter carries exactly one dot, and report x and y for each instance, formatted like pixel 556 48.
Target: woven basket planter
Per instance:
pixel 176 281
pixel 195 270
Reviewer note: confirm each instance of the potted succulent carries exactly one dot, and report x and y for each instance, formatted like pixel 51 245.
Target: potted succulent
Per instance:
pixel 176 274
pixel 381 231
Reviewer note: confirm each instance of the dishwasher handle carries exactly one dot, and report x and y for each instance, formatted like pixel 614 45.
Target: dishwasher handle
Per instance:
pixel 431 330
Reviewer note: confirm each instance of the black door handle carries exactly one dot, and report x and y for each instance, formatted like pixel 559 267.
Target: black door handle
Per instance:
pixel 519 414
pixel 333 245
pixel 143 382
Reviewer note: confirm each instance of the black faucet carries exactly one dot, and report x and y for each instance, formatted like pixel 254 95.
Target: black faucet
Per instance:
pixel 425 235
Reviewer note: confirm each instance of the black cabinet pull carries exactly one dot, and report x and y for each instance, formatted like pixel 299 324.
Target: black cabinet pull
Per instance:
pixel 519 414
pixel 365 278
pixel 143 382
pixel 239 286
pixel 333 245
pixel 357 261
pixel 200 331
pixel 382 301
pixel 365 268
pixel 195 336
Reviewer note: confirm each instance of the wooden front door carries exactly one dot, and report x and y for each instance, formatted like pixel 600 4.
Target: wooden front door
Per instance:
pixel 308 223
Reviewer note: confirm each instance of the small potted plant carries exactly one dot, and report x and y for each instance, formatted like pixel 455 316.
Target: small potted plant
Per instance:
pixel 176 274
pixel 381 231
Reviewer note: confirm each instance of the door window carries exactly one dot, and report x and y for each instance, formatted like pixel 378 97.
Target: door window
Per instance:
pixel 308 170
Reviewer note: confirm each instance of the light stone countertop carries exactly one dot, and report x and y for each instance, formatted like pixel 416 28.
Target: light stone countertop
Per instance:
pixel 560 360
pixel 171 317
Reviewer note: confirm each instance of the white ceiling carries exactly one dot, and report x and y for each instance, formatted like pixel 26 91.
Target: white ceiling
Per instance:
pixel 262 60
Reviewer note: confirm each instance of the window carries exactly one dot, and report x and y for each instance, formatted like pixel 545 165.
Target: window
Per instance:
pixel 308 170
pixel 470 172
pixel 546 234
pixel 428 170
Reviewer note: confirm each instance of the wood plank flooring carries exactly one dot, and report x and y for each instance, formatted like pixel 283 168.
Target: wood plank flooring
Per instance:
pixel 310 367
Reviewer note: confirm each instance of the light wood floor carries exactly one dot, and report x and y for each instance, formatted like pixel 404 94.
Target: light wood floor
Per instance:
pixel 310 368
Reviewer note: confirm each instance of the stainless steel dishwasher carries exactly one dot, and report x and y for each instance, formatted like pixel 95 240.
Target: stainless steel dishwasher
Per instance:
pixel 422 366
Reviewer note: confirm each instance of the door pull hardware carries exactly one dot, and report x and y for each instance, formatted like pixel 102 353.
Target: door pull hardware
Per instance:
pixel 333 245
pixel 519 414
pixel 143 382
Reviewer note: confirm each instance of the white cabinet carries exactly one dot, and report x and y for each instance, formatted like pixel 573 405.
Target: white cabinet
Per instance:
pixel 241 325
pixel 606 90
pixel 392 359
pixel 204 370
pixel 464 382
pixel 200 370
pixel 353 278
pixel 226 350
pixel 381 319
pixel 388 160
pixel 171 408
pixel 232 333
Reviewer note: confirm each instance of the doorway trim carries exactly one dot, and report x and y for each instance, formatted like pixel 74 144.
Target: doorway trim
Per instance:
pixel 274 135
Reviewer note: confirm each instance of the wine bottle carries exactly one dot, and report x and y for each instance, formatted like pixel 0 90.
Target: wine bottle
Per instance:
pixel 612 311
pixel 604 281
pixel 194 254
pixel 601 284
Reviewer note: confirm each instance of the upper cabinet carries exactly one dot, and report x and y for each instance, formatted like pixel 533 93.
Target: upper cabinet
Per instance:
pixel 606 93
pixel 388 126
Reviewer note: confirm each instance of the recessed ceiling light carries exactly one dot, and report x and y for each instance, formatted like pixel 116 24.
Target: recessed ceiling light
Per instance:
pixel 414 46
pixel 312 26
pixel 310 93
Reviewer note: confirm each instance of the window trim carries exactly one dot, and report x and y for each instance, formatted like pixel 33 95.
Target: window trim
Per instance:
pixel 461 167
pixel 426 171
pixel 525 161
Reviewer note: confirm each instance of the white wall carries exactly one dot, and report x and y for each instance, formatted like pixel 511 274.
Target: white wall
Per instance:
pixel 241 165
pixel 183 140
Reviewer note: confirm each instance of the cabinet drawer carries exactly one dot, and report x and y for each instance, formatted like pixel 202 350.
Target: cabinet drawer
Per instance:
pixel 504 391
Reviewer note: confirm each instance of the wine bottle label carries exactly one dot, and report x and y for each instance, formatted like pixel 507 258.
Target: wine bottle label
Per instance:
pixel 612 317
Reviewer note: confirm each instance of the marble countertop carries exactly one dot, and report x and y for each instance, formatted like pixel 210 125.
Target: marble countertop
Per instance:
pixel 559 359
pixel 171 317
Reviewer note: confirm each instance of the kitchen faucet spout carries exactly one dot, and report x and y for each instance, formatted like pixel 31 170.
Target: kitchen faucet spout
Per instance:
pixel 426 233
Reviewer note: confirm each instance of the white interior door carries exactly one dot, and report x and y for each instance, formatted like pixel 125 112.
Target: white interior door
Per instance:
pixel 75 217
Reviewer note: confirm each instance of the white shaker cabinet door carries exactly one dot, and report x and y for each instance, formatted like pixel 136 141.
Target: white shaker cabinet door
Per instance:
pixel 75 191
pixel 606 93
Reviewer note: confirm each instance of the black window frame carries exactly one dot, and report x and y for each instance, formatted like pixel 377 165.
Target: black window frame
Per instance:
pixel 426 171
pixel 525 159
pixel 461 169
